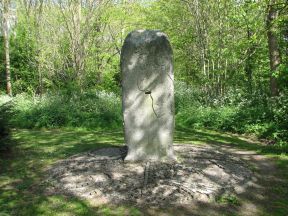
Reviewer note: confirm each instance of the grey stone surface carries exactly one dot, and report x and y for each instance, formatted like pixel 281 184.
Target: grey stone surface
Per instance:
pixel 148 95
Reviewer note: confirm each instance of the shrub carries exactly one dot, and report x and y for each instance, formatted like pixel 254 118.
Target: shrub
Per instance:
pixel 236 112
pixel 5 142
pixel 255 114
pixel 90 109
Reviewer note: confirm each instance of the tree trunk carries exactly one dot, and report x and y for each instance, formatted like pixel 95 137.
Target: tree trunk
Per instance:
pixel 77 45
pixel 249 63
pixel 38 20
pixel 274 53
pixel 5 29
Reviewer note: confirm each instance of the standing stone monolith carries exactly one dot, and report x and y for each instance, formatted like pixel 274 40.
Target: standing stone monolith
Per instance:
pixel 148 95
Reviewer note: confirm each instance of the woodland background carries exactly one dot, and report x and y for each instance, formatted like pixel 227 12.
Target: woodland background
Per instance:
pixel 60 63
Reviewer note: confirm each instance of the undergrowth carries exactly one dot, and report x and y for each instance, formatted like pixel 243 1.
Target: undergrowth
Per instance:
pixel 238 112
pixel 256 114
pixel 93 109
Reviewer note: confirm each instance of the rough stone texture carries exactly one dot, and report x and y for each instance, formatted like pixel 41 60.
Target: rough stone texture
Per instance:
pixel 102 176
pixel 148 95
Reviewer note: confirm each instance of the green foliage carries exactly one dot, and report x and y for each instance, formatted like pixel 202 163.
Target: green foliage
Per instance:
pixel 5 142
pixel 220 51
pixel 228 199
pixel 252 114
pixel 257 114
pixel 23 61
pixel 91 109
pixel 23 191
pixel 22 175
pixel 199 117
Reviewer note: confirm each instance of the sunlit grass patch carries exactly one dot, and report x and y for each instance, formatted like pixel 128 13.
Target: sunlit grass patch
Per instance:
pixel 21 191
pixel 228 199
pixel 37 149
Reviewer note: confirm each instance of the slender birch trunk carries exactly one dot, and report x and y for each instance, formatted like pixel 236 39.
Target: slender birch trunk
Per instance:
pixel 5 29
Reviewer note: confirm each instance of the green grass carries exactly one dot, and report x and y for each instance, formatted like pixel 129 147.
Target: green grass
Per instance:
pixel 22 171
pixel 204 136
pixel 228 199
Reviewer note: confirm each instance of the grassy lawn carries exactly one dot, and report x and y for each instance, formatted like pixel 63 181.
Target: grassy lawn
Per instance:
pixel 21 171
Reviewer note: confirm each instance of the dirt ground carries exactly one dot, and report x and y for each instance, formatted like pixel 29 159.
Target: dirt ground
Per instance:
pixel 205 180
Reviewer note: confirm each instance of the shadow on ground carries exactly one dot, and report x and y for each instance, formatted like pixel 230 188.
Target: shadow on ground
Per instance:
pixel 21 192
pixel 21 174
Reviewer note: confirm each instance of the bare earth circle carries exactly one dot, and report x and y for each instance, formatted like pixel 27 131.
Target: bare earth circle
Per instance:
pixel 201 173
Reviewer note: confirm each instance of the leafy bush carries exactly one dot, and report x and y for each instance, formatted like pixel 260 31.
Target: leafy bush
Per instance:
pixel 255 114
pixel 90 109
pixel 185 96
pixel 5 143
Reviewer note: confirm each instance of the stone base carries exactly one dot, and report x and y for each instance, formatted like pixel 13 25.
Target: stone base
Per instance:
pixel 134 156
pixel 201 174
